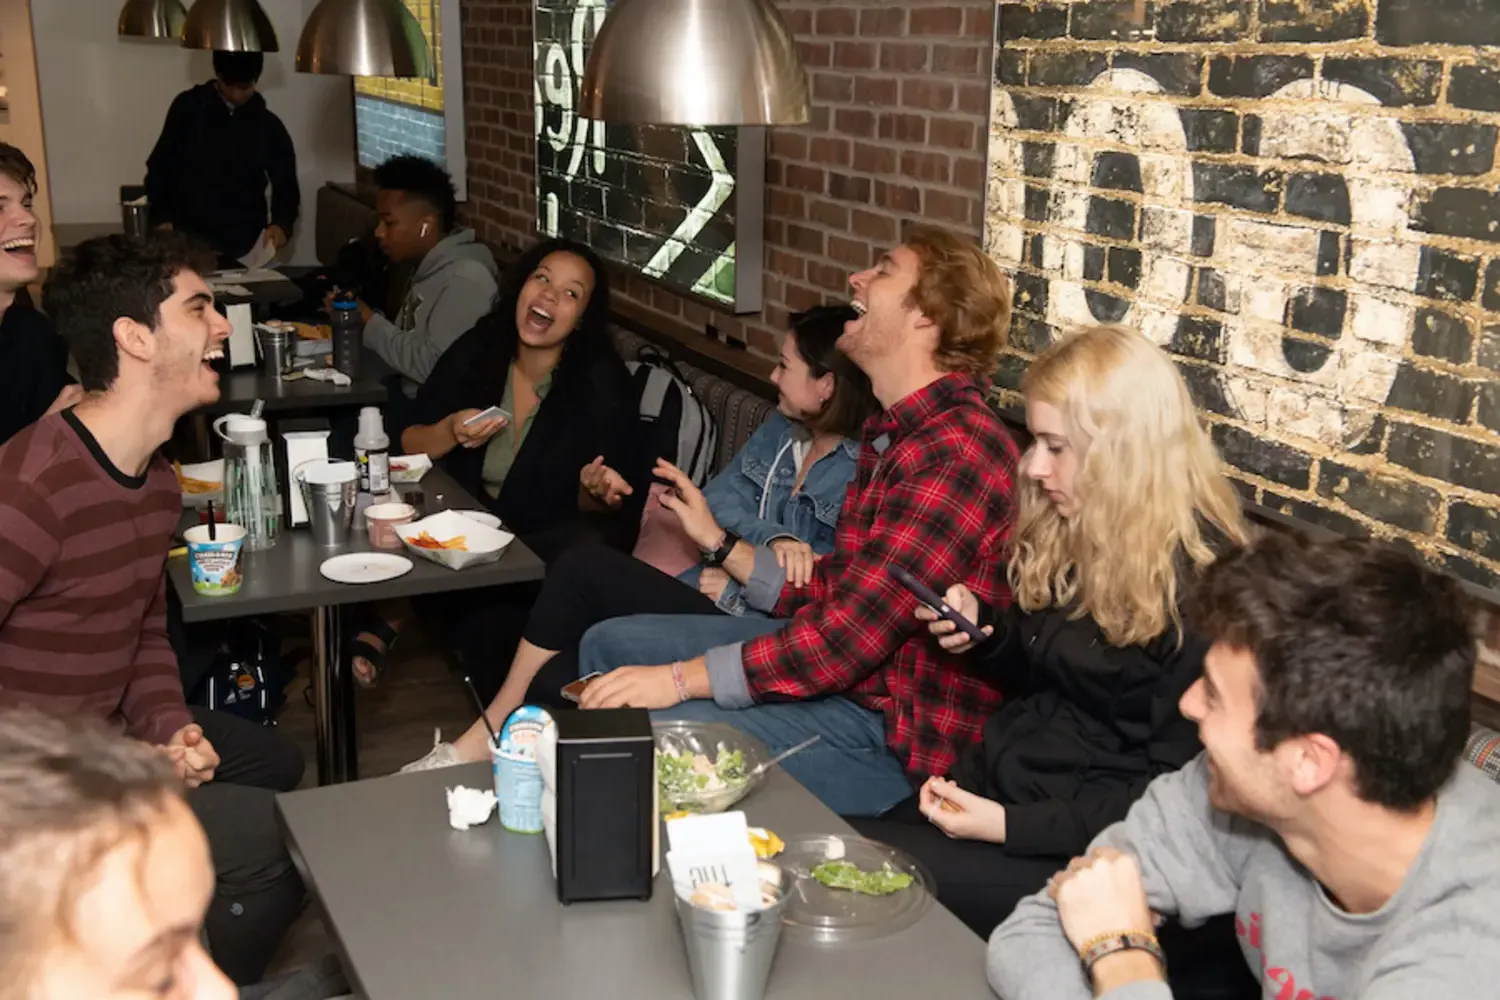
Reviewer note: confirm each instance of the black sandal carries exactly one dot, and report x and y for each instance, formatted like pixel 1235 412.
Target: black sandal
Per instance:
pixel 360 649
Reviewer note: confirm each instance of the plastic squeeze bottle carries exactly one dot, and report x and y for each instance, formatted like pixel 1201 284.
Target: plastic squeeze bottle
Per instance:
pixel 372 451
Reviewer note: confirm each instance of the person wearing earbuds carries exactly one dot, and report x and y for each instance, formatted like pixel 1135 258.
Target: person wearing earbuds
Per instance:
pixel 455 280
pixel 1122 504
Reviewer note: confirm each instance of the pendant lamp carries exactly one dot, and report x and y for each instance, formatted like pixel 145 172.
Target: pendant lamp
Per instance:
pixel 158 20
pixel 695 62
pixel 363 38
pixel 229 26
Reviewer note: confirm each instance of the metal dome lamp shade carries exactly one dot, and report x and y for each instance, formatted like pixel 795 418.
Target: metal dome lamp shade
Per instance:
pixel 158 20
pixel 363 38
pixel 695 62
pixel 229 26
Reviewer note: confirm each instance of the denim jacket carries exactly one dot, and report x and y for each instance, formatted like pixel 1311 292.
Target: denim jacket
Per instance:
pixel 735 497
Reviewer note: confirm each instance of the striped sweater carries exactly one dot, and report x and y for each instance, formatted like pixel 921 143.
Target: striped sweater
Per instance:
pixel 83 602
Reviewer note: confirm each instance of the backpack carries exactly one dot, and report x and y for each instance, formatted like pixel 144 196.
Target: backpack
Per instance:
pixel 679 426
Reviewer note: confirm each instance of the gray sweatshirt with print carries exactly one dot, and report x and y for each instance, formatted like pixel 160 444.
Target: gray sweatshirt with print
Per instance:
pixel 452 289
pixel 1437 938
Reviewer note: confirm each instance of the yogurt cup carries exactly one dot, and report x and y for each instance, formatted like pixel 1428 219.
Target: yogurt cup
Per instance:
pixel 217 564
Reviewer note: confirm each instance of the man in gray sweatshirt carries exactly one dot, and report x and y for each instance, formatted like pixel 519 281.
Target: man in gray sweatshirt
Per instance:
pixel 1328 812
pixel 454 284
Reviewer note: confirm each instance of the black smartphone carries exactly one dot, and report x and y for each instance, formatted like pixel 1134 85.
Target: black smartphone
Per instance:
pixel 930 597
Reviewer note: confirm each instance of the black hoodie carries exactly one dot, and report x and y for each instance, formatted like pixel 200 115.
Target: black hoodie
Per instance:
pixel 208 173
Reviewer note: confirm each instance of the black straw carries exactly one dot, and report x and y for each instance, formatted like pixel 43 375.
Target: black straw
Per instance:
pixel 494 739
pixel 213 534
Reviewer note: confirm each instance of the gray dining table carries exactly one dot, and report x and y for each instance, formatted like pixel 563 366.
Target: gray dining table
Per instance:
pixel 419 909
pixel 286 577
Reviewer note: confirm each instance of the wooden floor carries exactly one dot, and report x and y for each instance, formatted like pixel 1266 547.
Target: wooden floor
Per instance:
pixel 416 693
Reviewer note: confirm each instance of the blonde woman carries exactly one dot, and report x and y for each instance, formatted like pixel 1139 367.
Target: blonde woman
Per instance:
pixel 1121 503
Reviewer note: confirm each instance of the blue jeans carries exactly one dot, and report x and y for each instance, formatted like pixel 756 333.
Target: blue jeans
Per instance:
pixel 850 769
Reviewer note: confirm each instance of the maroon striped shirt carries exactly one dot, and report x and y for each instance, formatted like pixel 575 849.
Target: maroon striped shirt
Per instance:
pixel 83 600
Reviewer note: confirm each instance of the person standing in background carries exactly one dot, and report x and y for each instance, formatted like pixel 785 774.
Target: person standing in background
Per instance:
pixel 34 378
pixel 219 149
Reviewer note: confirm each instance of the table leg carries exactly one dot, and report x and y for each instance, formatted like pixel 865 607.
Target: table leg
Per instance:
pixel 333 691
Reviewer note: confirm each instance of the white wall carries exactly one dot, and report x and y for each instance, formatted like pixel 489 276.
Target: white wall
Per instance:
pixel 103 100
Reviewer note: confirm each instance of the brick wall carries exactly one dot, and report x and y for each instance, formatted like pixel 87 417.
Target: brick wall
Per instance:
pixel 1299 200
pixel 901 102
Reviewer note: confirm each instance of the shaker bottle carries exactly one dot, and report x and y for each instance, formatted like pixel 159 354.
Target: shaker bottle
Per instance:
pixel 348 333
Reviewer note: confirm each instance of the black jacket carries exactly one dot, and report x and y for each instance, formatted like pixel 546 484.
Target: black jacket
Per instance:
pixel 1088 726
pixel 590 410
pixel 208 173
pixel 33 368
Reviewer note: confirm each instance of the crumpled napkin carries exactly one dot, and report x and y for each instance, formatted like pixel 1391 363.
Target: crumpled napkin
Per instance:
pixel 328 375
pixel 469 807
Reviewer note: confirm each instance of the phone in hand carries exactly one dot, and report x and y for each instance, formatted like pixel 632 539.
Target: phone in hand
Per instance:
pixel 930 597
pixel 489 414
pixel 573 690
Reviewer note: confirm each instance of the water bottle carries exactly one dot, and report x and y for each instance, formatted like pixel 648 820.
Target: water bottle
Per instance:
pixel 348 333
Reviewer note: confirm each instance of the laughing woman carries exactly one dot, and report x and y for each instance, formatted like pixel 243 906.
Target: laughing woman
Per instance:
pixel 1122 504
pixel 544 357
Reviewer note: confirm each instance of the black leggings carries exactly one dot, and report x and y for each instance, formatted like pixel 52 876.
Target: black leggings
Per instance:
pixel 981 884
pixel 588 584
pixel 257 892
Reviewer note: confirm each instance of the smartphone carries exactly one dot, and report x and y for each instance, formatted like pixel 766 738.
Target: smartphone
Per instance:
pixel 573 690
pixel 489 414
pixel 930 597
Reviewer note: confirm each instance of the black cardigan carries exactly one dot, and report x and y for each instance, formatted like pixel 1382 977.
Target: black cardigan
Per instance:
pixel 590 410
pixel 1089 727
pixel 33 367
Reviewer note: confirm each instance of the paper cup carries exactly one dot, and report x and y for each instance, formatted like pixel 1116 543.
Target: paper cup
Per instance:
pixel 518 787
pixel 382 519
pixel 217 563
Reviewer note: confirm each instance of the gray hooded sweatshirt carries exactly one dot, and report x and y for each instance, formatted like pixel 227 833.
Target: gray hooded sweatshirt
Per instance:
pixel 1437 938
pixel 453 287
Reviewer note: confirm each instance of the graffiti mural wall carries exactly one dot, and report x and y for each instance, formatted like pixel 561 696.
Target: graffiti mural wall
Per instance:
pixel 682 206
pixel 1300 201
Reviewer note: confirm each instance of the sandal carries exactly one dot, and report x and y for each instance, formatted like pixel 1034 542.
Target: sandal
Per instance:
pixel 374 656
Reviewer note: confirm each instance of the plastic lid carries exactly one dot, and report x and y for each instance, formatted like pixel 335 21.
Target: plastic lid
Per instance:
pixel 828 914
pixel 244 430
pixel 371 424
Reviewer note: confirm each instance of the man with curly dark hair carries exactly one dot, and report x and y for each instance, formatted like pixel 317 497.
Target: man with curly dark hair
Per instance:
pixel 87 514
pixel 1329 811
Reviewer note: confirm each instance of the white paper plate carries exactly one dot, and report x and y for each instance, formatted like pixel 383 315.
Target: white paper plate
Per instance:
pixel 365 567
pixel 409 468
pixel 484 517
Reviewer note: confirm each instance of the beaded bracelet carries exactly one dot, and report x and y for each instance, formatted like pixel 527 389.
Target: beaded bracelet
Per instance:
pixel 682 691
pixel 1117 941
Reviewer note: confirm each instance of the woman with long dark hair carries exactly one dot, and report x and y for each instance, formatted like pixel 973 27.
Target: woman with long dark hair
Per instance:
pixel 548 471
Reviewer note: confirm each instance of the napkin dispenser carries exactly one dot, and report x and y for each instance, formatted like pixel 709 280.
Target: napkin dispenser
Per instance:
pixel 599 803
pixel 241 336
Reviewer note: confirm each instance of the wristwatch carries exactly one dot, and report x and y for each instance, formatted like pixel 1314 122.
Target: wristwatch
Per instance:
pixel 718 555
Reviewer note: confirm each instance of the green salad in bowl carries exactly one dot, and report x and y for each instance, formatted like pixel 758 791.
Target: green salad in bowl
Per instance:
pixel 704 767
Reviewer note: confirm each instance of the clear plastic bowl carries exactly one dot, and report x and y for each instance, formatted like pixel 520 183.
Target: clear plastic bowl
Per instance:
pixel 709 739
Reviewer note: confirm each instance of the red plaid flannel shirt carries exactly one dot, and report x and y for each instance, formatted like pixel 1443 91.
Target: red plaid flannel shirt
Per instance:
pixel 932 494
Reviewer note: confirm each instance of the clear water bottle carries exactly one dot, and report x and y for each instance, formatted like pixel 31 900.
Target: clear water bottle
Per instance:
pixel 348 333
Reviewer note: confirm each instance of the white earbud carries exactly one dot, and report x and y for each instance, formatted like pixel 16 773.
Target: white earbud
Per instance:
pixel 424 229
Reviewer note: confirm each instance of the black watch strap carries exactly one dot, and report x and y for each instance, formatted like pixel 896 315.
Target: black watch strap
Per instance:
pixel 718 555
